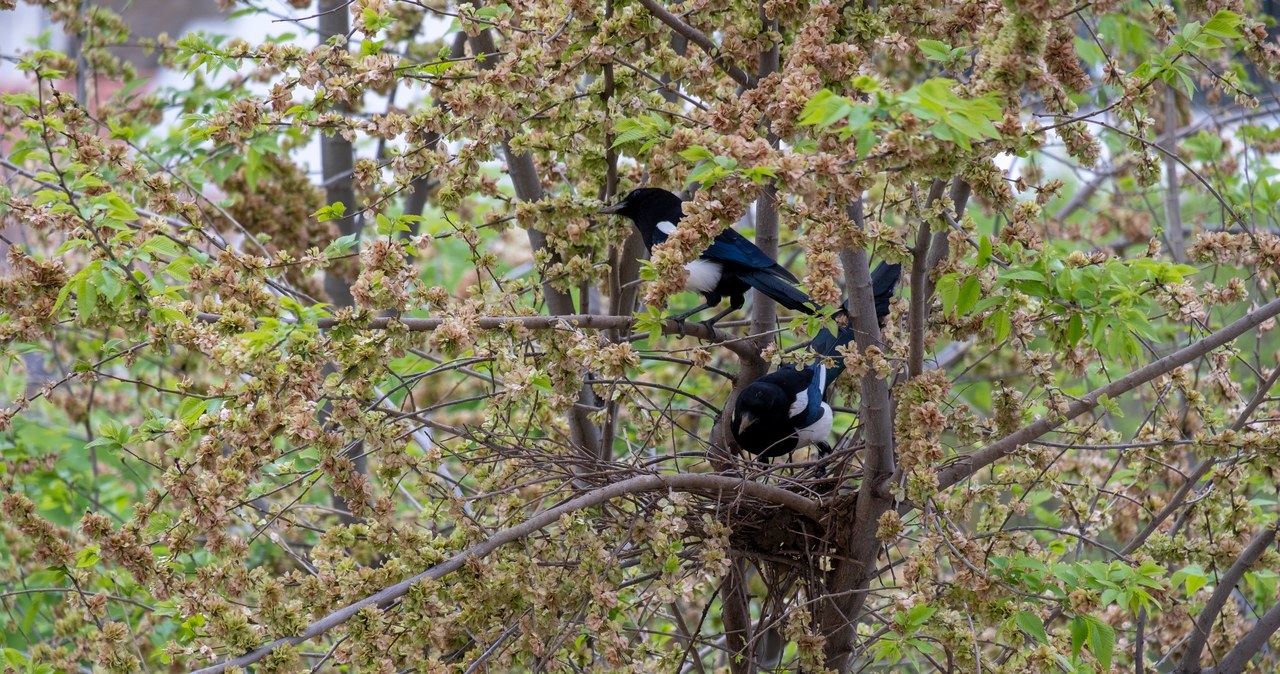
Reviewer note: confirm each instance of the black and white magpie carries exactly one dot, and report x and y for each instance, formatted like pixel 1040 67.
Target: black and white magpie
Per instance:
pixel 730 266
pixel 784 410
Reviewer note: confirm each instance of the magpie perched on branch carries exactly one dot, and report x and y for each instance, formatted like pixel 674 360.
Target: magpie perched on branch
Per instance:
pixel 730 266
pixel 784 410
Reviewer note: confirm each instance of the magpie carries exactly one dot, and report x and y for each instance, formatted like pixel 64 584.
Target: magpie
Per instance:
pixel 784 410
pixel 730 266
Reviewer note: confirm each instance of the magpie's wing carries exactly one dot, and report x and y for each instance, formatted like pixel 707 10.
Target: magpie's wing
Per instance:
pixel 790 379
pixel 804 389
pixel 730 246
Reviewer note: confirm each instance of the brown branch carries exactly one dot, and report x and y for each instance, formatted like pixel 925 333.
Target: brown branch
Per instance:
pixel 1226 585
pixel 726 489
pixel 337 173
pixel 967 466
pixel 337 160
pixel 940 248
pixel 700 38
pixel 528 188
pixel 920 257
pixel 855 567
pixel 1235 660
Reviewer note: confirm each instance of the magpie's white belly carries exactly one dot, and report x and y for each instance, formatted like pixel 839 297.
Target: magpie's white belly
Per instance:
pixel 702 275
pixel 818 431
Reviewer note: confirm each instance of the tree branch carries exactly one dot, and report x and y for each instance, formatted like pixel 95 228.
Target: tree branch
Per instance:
pixel 726 489
pixel 855 567
pixel 337 160
pixel 919 321
pixel 1226 585
pixel 967 466
pixel 1235 660
pixel 699 38
pixel 528 188
pixel 941 245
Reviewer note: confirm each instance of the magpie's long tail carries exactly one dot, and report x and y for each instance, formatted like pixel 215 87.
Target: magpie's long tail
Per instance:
pixel 826 344
pixel 780 291
pixel 883 280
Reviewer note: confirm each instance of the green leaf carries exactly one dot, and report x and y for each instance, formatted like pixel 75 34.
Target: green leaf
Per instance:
pixel 191 409
pixel 1031 624
pixel 14 658
pixel 88 557
pixel 341 245
pixel 707 173
pixel 1075 329
pixel 1020 275
pixel 1000 325
pixel 118 209
pixel 86 299
pixel 1079 633
pixel 109 284
pixel 984 250
pixel 935 50
pixel 696 153
pixel 760 174
pixel 824 109
pixel 334 211
pixel 969 293
pixel 1102 641
pixel 1192 577
pixel 949 291
pixel 180 268
pixel 162 245
pixel 633 129
pixel 1224 24
pixel 918 616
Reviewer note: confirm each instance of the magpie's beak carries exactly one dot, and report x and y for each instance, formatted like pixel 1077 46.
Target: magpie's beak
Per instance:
pixel 745 420
pixel 609 210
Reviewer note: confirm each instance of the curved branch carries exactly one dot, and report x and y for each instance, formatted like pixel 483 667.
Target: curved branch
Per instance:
pixel 982 458
pixel 726 488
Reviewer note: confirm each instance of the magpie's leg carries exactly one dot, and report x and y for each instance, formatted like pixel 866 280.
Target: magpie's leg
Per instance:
pixel 710 302
pixel 735 303
pixel 824 450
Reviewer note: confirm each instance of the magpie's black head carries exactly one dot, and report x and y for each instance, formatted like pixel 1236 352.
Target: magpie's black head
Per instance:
pixel 647 206
pixel 761 401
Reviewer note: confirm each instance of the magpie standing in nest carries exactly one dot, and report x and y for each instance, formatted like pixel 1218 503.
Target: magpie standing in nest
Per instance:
pixel 784 410
pixel 726 269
